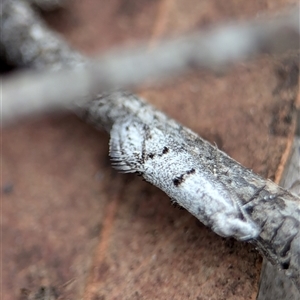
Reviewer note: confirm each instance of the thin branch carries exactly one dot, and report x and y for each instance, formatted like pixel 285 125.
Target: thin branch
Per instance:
pixel 26 41
pixel 214 49
pixel 273 284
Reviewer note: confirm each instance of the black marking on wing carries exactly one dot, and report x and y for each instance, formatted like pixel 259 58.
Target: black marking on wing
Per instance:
pixel 180 179
pixel 165 150
pixel 192 171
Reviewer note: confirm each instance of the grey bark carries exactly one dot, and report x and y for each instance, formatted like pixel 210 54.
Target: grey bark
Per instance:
pixel 26 41
pixel 274 285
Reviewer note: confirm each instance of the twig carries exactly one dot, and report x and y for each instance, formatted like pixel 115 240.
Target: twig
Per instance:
pixel 273 284
pixel 213 49
pixel 28 42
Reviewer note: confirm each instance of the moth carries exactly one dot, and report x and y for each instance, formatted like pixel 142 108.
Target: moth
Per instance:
pixel 171 157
